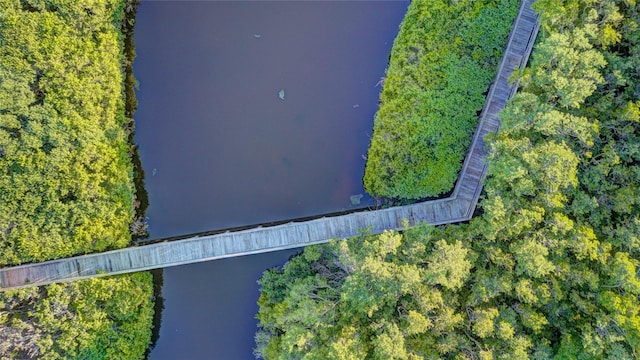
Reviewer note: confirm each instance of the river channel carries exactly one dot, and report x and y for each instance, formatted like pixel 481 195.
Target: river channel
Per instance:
pixel 250 112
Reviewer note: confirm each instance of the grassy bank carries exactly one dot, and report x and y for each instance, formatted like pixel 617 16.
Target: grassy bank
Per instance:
pixel 442 63
pixel 68 186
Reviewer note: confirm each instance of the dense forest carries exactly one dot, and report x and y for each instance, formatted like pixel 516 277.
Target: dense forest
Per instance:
pixel 67 185
pixel 442 63
pixel 550 269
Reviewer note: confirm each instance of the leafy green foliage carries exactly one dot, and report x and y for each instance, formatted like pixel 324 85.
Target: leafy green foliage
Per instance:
pixel 66 187
pixel 552 267
pixel 443 60
pixel 88 319
pixel 66 181
pixel 372 297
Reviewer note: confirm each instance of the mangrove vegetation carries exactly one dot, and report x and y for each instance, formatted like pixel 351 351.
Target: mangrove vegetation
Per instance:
pixel 66 184
pixel 442 63
pixel 549 270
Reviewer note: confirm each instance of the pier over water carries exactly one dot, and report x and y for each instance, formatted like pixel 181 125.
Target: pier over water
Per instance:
pixel 459 207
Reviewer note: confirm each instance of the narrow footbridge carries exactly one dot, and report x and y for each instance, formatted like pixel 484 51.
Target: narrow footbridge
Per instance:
pixel 456 208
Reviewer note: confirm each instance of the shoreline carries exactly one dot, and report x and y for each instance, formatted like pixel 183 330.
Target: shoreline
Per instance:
pixel 141 198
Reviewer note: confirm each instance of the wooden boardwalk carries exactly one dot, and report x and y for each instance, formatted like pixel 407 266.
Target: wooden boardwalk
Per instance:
pixel 456 208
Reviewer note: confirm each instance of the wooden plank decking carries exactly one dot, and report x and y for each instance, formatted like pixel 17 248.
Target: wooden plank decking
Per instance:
pixel 456 208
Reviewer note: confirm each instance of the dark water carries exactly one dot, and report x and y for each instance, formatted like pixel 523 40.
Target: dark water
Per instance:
pixel 210 308
pixel 221 149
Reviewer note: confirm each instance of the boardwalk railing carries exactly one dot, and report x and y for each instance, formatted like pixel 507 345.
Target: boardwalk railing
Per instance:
pixel 456 208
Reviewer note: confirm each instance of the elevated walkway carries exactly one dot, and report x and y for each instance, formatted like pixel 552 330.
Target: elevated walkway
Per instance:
pixel 459 207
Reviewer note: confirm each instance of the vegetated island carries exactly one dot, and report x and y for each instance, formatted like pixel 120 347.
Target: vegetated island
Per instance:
pixel 441 66
pixel 67 180
pixel 548 271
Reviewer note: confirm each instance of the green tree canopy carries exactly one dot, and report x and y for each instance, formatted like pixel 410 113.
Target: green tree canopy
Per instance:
pixel 66 182
pixel 442 62
pixel 550 269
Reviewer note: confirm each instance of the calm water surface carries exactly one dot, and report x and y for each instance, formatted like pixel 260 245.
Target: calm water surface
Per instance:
pixel 221 148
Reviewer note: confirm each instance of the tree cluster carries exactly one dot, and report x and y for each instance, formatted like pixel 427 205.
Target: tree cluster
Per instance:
pixel 66 178
pixel 550 270
pixel 66 185
pixel 442 63
pixel 390 296
pixel 107 318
